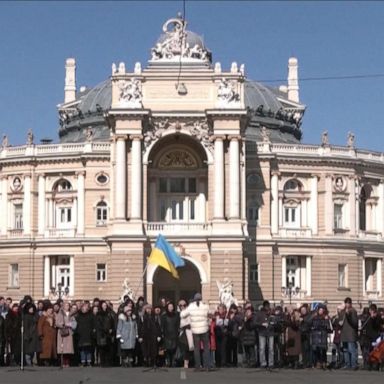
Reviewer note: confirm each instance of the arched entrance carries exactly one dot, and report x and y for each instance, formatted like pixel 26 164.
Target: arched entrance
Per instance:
pixel 165 285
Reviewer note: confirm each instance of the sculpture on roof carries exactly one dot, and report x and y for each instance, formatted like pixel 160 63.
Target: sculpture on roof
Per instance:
pixel 175 44
pixel 226 93
pixel 130 93
pixel 30 137
pixel 265 135
pixel 351 140
pixel 5 142
pixel 324 139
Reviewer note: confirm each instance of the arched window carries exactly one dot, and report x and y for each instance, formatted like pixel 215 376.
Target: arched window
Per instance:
pixel 253 212
pixel 365 194
pixel 62 186
pixel 101 214
pixel 293 185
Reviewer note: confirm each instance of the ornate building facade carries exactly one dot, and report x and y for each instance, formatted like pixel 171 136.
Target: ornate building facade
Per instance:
pixel 206 157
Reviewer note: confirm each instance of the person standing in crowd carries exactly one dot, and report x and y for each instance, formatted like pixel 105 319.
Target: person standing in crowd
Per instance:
pixel 66 324
pixel 85 334
pixel 248 337
pixel 212 339
pixel 127 335
pixel 198 313
pixel 170 323
pixel 13 334
pixel 305 335
pixel 47 334
pixel 149 336
pixel 221 332
pixel 30 337
pixel 349 326
pixel 320 328
pixel 185 339
pixel 234 327
pixel 2 341
pixel 104 334
pixel 370 328
pixel 265 325
pixel 293 339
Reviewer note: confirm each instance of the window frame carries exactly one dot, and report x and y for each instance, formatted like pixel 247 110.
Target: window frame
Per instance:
pixel 101 271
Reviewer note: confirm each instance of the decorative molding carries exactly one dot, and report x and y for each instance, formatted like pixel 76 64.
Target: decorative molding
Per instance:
pixel 130 94
pixel 178 159
pixel 227 94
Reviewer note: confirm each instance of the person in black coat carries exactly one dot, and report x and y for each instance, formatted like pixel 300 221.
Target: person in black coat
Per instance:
pixel 248 337
pixel 13 333
pixel 85 334
pixel 170 322
pixel 30 336
pixel 149 336
pixel 370 327
pixel 2 340
pixel 105 329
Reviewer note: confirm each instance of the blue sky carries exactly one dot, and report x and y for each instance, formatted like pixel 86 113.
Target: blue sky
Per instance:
pixel 329 38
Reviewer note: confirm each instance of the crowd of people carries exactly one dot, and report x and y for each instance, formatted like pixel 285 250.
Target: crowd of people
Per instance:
pixel 93 333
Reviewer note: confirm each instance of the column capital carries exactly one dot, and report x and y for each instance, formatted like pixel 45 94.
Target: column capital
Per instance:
pixel 234 137
pixel 120 137
pixel 25 175
pixel 276 173
pixel 80 173
pixel 136 137
pixel 41 174
pixel 315 176
pixel 218 137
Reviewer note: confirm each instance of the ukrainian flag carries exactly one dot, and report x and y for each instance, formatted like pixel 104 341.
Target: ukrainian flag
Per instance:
pixel 165 256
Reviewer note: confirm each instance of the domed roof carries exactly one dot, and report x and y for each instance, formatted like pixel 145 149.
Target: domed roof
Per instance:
pixel 265 104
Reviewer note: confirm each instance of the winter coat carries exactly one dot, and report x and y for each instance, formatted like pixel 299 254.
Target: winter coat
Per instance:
pixel 370 331
pixel 65 322
pixel 149 331
pixel 2 330
pixel 293 338
pixel 248 332
pixel 31 338
pixel 126 331
pixel 47 333
pixel 170 323
pixel 349 325
pixel 198 313
pixel 12 329
pixel 85 329
pixel 212 335
pixel 320 328
pixel 104 328
pixel 221 327
pixel 265 323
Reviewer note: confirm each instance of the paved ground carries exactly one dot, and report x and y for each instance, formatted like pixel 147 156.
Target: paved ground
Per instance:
pixel 177 375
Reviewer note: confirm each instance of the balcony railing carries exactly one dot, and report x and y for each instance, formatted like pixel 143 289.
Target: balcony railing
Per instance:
pixel 153 228
pixel 60 232
pixel 295 232
pixel 15 233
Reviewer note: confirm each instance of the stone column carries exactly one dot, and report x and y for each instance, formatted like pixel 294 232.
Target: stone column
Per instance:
pixel 47 274
pixel 380 207
pixel 352 206
pixel 308 273
pixel 72 275
pixel 313 214
pixel 50 213
pixel 136 178
pixel 304 213
pixel 200 201
pixel 379 276
pixel 283 271
pixel 243 206
pixel 328 209
pixel 275 203
pixel 4 206
pixel 121 179
pixel 80 203
pixel 41 206
pixel 234 177
pixel 153 214
pixel 219 179
pixel 27 205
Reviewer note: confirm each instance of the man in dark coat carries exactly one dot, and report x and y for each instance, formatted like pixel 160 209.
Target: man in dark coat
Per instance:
pixel 248 337
pixel 170 323
pixel 13 333
pixel 2 340
pixel 85 334
pixel 349 326
pixel 105 330
pixel 30 336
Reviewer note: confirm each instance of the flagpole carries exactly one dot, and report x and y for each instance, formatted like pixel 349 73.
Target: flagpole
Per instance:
pixel 142 279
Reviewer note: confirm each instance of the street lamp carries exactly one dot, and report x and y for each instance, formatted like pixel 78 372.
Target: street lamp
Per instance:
pixel 290 291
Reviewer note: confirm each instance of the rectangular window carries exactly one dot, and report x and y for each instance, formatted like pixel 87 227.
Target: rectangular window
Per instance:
pixel 254 273
pixel 162 185
pixel 65 215
pixel 370 274
pixel 18 224
pixel 163 210
pixel 177 184
pixel 291 217
pixel 101 272
pixel 192 212
pixel 343 276
pixel 338 216
pixel 14 275
pixel 192 185
pixel 253 215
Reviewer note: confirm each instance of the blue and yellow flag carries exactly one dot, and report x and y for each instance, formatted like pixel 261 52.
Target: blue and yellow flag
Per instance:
pixel 165 256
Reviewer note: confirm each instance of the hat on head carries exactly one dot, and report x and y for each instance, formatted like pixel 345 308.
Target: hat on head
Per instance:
pixel 197 297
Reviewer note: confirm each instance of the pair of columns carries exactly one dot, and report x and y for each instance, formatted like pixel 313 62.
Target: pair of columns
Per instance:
pixel 121 177
pixel 234 177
